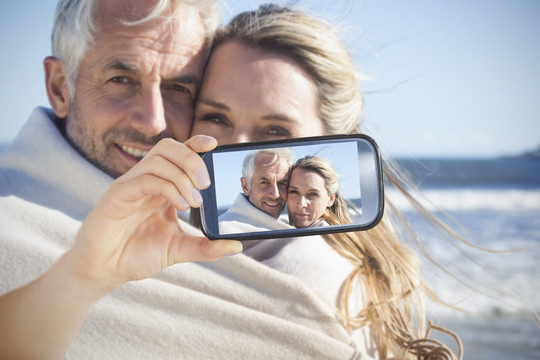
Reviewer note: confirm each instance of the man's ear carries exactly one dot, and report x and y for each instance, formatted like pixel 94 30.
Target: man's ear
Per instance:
pixel 56 85
pixel 245 186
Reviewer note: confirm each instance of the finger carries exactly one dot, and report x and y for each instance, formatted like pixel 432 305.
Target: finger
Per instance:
pixel 191 248
pixel 124 197
pixel 201 143
pixel 162 168
pixel 181 156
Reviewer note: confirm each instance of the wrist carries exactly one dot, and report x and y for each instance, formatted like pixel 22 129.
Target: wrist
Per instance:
pixel 78 282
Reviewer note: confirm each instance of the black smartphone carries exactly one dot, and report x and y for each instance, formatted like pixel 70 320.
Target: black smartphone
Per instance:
pixel 235 207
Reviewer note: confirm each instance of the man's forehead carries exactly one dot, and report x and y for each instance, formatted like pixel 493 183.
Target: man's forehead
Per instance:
pixel 271 172
pixel 151 44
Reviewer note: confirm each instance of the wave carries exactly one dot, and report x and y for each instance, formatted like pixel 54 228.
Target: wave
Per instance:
pixel 471 199
pixel 469 172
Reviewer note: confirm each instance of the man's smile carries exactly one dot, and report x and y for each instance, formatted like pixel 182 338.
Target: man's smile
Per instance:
pixel 134 152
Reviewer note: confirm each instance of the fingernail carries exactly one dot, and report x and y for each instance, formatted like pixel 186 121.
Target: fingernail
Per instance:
pixel 197 198
pixel 232 253
pixel 206 139
pixel 182 201
pixel 202 178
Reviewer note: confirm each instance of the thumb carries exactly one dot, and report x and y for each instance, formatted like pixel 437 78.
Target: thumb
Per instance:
pixel 201 143
pixel 196 249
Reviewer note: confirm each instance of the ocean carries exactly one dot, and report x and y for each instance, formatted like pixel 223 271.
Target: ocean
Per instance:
pixel 494 204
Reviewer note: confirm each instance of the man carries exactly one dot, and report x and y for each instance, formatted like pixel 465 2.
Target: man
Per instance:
pixel 123 76
pixel 265 176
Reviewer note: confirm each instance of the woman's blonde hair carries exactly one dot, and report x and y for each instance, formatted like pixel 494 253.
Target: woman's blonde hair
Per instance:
pixel 386 270
pixel 315 46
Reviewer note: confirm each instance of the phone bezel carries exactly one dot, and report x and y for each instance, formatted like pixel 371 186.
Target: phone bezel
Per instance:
pixel 209 207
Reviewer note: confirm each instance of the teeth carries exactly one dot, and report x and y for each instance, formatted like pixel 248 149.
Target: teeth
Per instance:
pixel 134 152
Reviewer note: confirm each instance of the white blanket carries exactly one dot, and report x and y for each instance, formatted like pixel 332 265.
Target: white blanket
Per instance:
pixel 243 216
pixel 234 308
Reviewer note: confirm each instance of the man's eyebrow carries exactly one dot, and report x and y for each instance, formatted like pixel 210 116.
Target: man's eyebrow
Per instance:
pixel 121 65
pixel 188 79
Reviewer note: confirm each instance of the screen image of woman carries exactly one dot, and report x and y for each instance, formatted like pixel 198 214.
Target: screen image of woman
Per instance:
pixel 313 195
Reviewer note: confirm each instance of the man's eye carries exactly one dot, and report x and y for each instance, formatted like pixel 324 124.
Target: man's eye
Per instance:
pixel 177 87
pixel 120 80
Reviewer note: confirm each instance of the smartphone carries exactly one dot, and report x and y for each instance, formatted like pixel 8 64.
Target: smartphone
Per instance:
pixel 235 208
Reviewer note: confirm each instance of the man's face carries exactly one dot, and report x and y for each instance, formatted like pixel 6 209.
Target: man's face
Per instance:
pixel 268 187
pixel 136 85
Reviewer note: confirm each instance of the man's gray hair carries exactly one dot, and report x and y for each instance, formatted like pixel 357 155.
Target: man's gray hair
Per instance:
pixel 248 166
pixel 75 28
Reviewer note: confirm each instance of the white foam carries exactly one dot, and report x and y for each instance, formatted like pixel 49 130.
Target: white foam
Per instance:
pixel 469 199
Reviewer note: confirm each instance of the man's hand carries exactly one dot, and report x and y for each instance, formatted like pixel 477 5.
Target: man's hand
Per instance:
pixel 133 232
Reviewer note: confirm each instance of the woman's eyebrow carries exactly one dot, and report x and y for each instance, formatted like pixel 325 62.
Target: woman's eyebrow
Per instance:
pixel 222 106
pixel 214 104
pixel 279 117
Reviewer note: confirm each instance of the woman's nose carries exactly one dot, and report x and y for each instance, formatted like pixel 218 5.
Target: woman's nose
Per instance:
pixel 237 136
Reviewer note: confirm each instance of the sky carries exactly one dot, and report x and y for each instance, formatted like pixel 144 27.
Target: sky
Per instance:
pixel 442 78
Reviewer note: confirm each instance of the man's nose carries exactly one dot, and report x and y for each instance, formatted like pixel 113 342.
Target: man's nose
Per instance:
pixel 150 117
pixel 273 191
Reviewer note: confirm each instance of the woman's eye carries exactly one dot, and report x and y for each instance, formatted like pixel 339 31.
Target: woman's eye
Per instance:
pixel 213 118
pixel 278 131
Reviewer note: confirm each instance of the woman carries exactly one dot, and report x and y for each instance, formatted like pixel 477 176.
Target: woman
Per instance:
pixel 313 198
pixel 277 73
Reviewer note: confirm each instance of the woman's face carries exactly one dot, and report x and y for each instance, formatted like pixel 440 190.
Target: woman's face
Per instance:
pixel 307 197
pixel 251 95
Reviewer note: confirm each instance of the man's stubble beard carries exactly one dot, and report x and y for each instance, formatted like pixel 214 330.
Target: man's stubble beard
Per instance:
pixel 83 139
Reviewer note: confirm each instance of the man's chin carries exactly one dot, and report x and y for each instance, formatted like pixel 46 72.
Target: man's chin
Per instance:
pixel 273 212
pixel 114 169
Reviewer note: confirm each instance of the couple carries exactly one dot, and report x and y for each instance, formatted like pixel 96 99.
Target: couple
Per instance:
pixel 90 191
pixel 270 181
